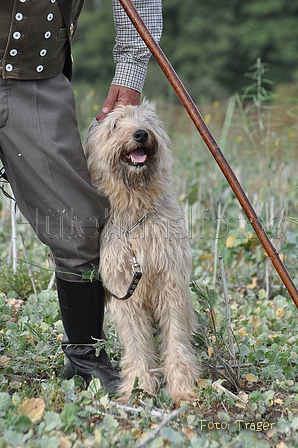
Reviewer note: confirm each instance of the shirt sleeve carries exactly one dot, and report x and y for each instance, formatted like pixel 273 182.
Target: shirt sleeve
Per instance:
pixel 130 53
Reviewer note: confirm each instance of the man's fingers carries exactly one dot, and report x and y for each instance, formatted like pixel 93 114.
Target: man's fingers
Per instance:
pixel 109 103
pixel 118 96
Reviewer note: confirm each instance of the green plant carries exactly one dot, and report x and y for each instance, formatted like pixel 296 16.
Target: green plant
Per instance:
pixel 248 401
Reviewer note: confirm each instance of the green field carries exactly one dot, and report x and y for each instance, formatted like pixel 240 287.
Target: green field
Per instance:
pixel 248 393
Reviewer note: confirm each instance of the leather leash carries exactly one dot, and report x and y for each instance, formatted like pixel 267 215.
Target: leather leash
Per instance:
pixel 136 268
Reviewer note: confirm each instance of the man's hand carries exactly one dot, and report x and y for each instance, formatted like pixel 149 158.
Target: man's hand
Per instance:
pixel 118 96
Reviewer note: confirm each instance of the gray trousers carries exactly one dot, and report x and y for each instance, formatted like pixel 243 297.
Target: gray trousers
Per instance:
pixel 41 150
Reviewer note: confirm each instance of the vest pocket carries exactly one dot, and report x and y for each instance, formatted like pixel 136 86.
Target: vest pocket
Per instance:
pixel 62 34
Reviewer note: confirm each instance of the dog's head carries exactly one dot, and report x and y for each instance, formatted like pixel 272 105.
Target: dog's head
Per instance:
pixel 129 146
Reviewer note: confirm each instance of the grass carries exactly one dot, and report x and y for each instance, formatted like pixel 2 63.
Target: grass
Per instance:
pixel 248 393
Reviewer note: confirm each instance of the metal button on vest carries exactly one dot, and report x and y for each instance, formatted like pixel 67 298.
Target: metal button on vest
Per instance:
pixel 16 35
pixel 34 42
pixel 19 16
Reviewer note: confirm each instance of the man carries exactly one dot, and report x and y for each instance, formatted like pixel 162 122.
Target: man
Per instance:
pixel 42 154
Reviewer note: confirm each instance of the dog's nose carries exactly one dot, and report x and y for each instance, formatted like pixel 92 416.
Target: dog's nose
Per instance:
pixel 141 136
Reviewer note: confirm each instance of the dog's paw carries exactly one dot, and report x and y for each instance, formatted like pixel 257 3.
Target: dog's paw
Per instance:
pixel 183 396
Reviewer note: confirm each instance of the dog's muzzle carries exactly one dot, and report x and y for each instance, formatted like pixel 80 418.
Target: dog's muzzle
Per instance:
pixel 137 157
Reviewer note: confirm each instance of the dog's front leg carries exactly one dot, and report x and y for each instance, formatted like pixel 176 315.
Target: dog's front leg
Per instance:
pixel 133 322
pixel 176 319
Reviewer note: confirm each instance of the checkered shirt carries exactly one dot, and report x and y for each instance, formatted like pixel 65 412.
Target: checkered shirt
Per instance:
pixel 130 52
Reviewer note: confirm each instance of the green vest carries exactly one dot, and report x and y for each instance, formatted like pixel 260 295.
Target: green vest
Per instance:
pixel 35 37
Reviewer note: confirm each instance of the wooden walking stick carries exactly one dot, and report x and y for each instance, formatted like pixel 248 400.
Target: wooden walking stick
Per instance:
pixel 211 144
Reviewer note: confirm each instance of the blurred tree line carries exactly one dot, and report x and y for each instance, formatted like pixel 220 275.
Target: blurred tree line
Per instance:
pixel 211 44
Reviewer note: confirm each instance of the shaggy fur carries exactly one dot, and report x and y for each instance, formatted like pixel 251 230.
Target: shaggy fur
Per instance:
pixel 129 160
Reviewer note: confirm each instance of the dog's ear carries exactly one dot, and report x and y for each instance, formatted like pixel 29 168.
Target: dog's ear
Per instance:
pixel 94 123
pixel 90 131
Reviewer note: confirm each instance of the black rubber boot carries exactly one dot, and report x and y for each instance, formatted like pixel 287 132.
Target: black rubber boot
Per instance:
pixel 82 311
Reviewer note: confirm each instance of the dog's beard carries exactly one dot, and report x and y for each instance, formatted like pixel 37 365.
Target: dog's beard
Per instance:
pixel 135 177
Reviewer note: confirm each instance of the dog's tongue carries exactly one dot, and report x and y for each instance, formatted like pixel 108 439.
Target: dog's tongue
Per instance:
pixel 137 156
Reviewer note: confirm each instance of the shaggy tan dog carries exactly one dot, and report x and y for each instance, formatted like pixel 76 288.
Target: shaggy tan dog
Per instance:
pixel 130 161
